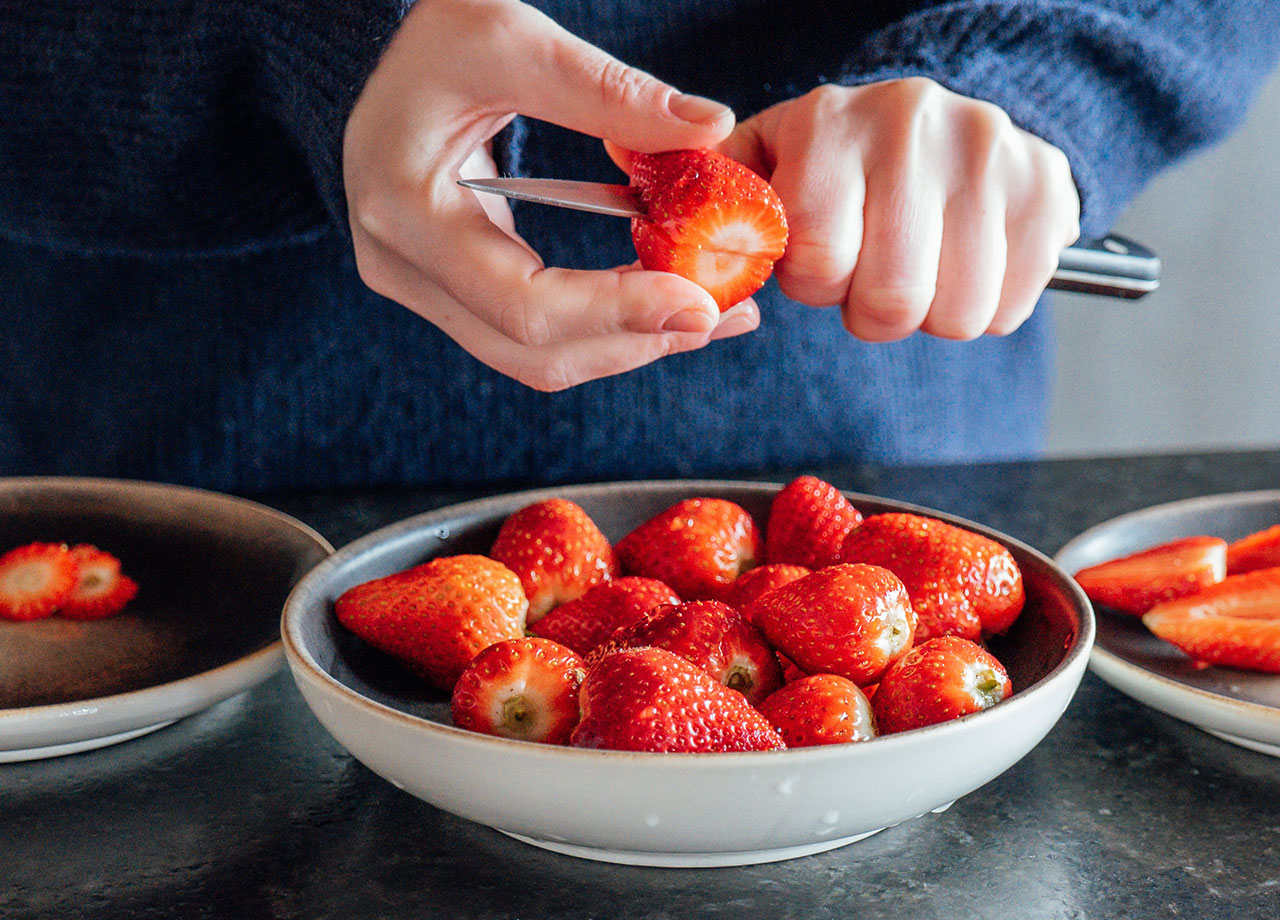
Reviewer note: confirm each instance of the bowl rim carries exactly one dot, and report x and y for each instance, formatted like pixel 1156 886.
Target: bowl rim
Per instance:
pixel 305 665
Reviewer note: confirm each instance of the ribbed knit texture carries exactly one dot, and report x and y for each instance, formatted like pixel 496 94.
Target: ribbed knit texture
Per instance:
pixel 181 304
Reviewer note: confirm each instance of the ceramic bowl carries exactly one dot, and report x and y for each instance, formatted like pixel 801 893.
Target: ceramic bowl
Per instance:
pixel 665 809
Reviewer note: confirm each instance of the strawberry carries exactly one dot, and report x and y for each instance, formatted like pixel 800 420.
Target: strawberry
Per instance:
pixel 648 699
pixel 1235 622
pixel 1259 550
pixel 760 581
pixel 1137 582
pixel 437 616
pixel 584 624
pixel 709 219
pixel 101 590
pixel 808 521
pixel 711 635
pixel 820 709
pixel 556 550
pixel 960 582
pixel 850 620
pixel 698 546
pixel 525 689
pixel 939 680
pixel 35 580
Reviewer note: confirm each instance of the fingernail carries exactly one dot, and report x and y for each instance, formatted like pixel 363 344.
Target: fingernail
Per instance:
pixel 696 109
pixel 691 320
pixel 736 325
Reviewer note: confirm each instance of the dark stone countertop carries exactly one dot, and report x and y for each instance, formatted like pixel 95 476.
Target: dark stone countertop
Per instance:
pixel 250 810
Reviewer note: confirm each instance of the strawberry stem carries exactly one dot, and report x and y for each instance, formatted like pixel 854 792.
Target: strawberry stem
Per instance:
pixel 740 679
pixel 518 715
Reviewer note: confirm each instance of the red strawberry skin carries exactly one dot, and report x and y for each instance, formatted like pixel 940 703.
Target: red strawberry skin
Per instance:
pixel 1259 550
pixel 526 689
pixel 820 709
pixel 557 551
pixel 698 546
pixel 588 622
pixel 714 637
pixel 709 219
pixel 939 680
pixel 437 616
pixel 35 580
pixel 101 589
pixel 960 582
pixel 808 522
pixel 850 620
pixel 1137 582
pixel 649 699
pixel 1235 622
pixel 760 581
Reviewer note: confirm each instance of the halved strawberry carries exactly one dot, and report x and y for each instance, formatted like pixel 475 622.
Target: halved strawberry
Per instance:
pixel 709 219
pixel 101 589
pixel 1235 622
pixel 525 689
pixel 808 521
pixel 556 550
pixel 1137 582
pixel 1259 550
pixel 35 580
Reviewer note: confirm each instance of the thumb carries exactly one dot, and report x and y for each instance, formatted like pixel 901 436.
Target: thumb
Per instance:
pixel 564 80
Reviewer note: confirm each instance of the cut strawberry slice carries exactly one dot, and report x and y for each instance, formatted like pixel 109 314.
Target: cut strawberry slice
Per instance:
pixel 710 219
pixel 1136 583
pixel 101 590
pixel 1259 550
pixel 35 580
pixel 1235 622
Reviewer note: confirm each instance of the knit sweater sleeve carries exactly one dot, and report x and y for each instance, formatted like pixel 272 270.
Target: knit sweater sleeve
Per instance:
pixel 179 125
pixel 1123 87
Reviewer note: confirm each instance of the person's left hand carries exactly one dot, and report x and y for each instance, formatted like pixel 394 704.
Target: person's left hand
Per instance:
pixel 912 207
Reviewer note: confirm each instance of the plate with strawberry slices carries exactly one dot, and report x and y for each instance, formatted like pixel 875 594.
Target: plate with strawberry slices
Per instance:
pixel 1188 604
pixel 127 605
pixel 689 673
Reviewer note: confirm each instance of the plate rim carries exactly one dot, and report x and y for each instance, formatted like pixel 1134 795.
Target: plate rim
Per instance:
pixel 298 656
pixel 1217 711
pixel 54 724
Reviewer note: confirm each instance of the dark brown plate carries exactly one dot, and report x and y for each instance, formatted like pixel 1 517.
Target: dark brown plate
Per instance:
pixel 213 571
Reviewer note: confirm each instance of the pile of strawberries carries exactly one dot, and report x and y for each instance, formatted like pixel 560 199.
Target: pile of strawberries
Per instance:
pixel 1218 602
pixel 699 631
pixel 79 582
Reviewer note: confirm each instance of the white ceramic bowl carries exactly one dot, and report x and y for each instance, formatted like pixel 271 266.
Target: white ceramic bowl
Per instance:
pixel 665 809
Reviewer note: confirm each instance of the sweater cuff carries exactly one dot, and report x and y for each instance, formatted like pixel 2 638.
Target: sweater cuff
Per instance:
pixel 1114 93
pixel 315 58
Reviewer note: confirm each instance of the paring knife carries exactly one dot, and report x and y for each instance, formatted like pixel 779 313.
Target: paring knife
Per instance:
pixel 1112 266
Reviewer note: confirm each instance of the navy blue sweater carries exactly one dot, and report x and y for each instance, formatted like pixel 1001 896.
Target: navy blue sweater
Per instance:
pixel 180 300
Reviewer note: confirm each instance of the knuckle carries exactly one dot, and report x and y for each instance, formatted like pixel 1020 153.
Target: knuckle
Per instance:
pixel 622 85
pixel 818 260
pixel 896 304
pixel 524 324
pixel 550 377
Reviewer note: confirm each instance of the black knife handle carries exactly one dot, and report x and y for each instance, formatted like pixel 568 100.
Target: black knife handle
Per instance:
pixel 1112 266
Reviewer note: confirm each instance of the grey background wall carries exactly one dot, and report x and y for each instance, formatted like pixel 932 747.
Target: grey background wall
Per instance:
pixel 1197 363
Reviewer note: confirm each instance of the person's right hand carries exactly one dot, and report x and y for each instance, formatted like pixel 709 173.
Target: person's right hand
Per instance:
pixel 455 73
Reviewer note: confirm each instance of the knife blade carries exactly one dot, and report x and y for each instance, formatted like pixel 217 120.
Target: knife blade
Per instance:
pixel 1112 266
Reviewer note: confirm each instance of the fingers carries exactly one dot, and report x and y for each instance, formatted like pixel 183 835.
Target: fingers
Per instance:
pixel 558 77
pixel 550 367
pixel 912 207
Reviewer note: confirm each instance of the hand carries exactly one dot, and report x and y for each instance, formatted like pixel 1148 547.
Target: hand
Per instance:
pixel 912 207
pixel 455 73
